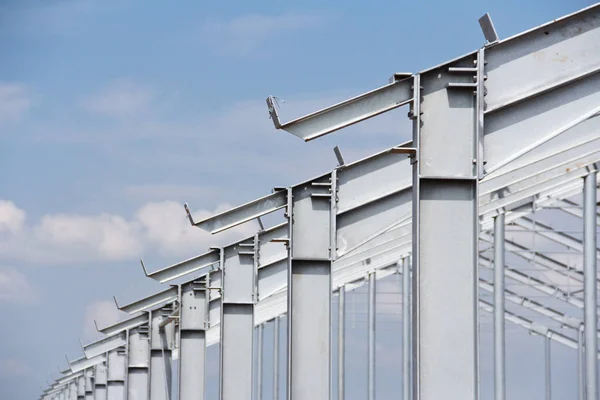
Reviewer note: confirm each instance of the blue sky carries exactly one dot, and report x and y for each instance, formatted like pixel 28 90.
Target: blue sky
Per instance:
pixel 114 113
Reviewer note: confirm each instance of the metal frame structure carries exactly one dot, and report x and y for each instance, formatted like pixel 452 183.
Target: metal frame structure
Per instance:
pixel 499 136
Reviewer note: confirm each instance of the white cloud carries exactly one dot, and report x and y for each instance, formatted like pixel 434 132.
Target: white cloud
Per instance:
pixel 15 100
pixel 11 217
pixel 14 287
pixel 120 98
pixel 160 227
pixel 13 367
pixel 243 35
pixel 104 313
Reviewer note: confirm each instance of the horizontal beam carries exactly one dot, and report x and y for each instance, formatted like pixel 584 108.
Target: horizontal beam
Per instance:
pixel 130 323
pixel 165 296
pixel 346 113
pixel 243 213
pixel 85 363
pixel 105 345
pixel 185 267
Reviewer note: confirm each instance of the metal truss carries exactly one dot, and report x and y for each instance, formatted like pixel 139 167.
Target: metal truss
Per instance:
pixel 498 135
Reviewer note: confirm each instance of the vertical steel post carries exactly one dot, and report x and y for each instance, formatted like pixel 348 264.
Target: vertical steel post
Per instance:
pixel 238 263
pixel 581 362
pixel 590 276
pixel 81 387
pixel 89 384
pixel 371 338
pixel 406 325
pixel 115 379
pixel 138 364
pixel 100 382
pixel 446 173
pixel 193 324
pixel 73 390
pixel 341 381
pixel 161 340
pixel 548 364
pixel 499 307
pixel 276 358
pixel 259 363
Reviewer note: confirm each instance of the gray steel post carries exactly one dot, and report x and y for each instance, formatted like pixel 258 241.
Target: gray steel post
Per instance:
pixel 276 358
pixel 192 340
pixel 312 233
pixel 406 325
pixel 100 381
pixel 259 363
pixel 73 390
pixel 160 356
pixel 237 320
pixel 590 297
pixel 499 307
pixel 138 364
pixel 447 103
pixel 89 384
pixel 341 339
pixel 81 388
pixel 371 338
pixel 581 362
pixel 548 365
pixel 115 379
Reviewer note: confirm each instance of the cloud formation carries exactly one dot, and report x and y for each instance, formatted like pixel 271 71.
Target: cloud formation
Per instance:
pixel 15 101
pixel 15 288
pixel 160 227
pixel 244 35
pixel 119 99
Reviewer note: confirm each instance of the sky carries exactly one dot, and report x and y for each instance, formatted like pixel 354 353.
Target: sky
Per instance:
pixel 115 113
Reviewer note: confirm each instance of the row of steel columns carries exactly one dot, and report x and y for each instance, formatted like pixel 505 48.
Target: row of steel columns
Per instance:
pixel 588 332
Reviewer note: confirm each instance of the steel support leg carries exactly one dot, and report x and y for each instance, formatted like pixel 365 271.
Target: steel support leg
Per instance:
pixel 138 364
pixel 446 171
pixel 341 380
pixel 192 340
pixel 590 297
pixel 115 380
pixel 499 307
pixel 237 320
pixel 73 390
pixel 406 324
pixel 548 364
pixel 371 338
pixel 89 384
pixel 581 363
pixel 276 358
pixel 161 340
pixel 81 388
pixel 100 377
pixel 259 363
pixel 309 289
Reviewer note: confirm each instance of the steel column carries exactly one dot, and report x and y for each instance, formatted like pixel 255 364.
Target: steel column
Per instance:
pixel 581 362
pixel 499 307
pixel 406 325
pixel 276 358
pixel 311 236
pixel 81 388
pixel 73 390
pixel 237 320
pixel 193 324
pixel 259 362
pixel 115 380
pixel 100 381
pixel 138 364
pixel 447 132
pixel 371 338
pixel 160 355
pixel 548 365
pixel 341 342
pixel 89 384
pixel 590 274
